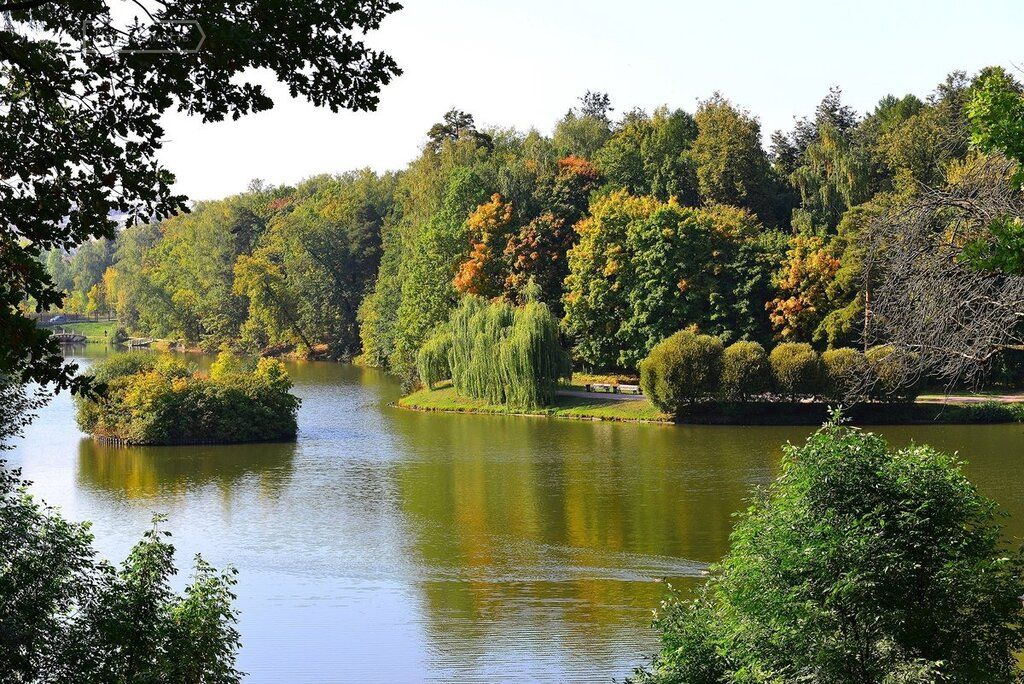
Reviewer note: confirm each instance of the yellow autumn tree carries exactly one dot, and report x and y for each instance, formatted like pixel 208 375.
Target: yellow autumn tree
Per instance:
pixel 803 283
pixel 484 272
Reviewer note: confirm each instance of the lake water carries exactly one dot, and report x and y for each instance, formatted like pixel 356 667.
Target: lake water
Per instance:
pixel 389 545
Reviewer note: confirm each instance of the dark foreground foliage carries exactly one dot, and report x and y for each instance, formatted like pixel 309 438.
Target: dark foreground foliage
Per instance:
pixel 861 563
pixel 162 400
pixel 66 616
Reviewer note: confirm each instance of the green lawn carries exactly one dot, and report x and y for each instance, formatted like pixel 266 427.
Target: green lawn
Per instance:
pixel 99 331
pixel 446 399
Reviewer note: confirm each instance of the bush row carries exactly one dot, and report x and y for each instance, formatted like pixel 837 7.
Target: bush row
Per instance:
pixel 150 399
pixel 688 367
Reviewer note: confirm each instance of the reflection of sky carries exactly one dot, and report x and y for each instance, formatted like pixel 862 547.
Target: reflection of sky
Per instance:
pixel 392 546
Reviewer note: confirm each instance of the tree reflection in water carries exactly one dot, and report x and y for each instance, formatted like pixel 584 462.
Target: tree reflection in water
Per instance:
pixel 150 472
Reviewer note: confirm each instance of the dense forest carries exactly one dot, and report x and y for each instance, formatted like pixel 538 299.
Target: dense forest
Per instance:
pixel 630 227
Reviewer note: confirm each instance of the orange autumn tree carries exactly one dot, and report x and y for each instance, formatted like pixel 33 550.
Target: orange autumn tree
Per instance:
pixel 538 251
pixel 483 273
pixel 803 283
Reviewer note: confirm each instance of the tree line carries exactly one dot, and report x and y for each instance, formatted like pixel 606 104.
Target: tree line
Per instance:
pixel 631 228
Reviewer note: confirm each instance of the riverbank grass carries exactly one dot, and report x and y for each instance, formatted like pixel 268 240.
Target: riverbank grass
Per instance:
pixel 94 331
pixel 447 399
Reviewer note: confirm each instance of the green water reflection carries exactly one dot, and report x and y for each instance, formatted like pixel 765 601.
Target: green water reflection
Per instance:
pixel 147 472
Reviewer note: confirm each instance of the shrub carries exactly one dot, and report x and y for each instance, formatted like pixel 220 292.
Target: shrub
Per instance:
pixel 70 616
pixel 892 374
pixel 844 372
pixel 681 369
pixel 796 369
pixel 745 370
pixel 150 399
pixel 119 337
pixel 860 564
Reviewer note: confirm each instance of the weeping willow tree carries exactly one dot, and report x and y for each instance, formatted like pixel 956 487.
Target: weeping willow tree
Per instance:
pixel 432 359
pixel 505 355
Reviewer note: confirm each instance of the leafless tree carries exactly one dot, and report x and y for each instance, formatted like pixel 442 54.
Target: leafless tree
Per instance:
pixel 952 317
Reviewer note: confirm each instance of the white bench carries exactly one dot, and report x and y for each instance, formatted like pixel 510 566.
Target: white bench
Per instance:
pixel 608 388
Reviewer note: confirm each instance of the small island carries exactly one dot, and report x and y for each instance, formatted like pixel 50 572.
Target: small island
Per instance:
pixel 144 398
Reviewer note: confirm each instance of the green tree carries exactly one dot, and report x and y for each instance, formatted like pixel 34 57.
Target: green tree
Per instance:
pixel 427 274
pixel 582 131
pixel 861 563
pixel 649 155
pixel 507 355
pixel 80 128
pixel 455 125
pixel 328 244
pixel 539 252
pixel 730 164
pixel 644 268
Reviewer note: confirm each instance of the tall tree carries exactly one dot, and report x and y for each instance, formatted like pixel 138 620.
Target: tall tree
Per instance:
pixel 731 166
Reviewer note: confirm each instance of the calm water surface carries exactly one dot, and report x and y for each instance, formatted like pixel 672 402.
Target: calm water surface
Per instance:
pixel 389 545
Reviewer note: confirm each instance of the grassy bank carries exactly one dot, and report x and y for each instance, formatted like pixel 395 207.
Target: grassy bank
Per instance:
pixel 94 331
pixel 446 399
pixel 727 413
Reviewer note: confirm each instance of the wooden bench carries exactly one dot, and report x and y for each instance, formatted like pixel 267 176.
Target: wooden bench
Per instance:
pixel 607 387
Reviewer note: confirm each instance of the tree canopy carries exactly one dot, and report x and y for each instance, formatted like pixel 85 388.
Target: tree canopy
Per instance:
pixel 81 96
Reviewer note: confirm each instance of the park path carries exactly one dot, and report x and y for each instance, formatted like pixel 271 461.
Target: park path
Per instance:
pixel 947 399
pixel 972 399
pixel 599 395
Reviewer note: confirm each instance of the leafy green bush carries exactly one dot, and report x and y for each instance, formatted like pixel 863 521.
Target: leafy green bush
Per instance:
pixel 892 374
pixel 681 369
pixel 796 369
pixel 68 616
pixel 745 371
pixel 119 337
pixel 150 399
pixel 844 372
pixel 861 564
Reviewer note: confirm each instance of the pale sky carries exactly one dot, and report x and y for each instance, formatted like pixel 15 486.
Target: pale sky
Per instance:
pixel 523 63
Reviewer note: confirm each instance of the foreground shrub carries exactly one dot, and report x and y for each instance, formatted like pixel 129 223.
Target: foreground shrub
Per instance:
pixel 861 564
pixel 149 399
pixel 681 369
pixel 844 373
pixel 745 371
pixel 67 616
pixel 506 355
pixel 796 369
pixel 893 376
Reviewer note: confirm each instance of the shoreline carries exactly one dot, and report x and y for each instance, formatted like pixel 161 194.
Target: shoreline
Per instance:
pixel 640 410
pixel 445 400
